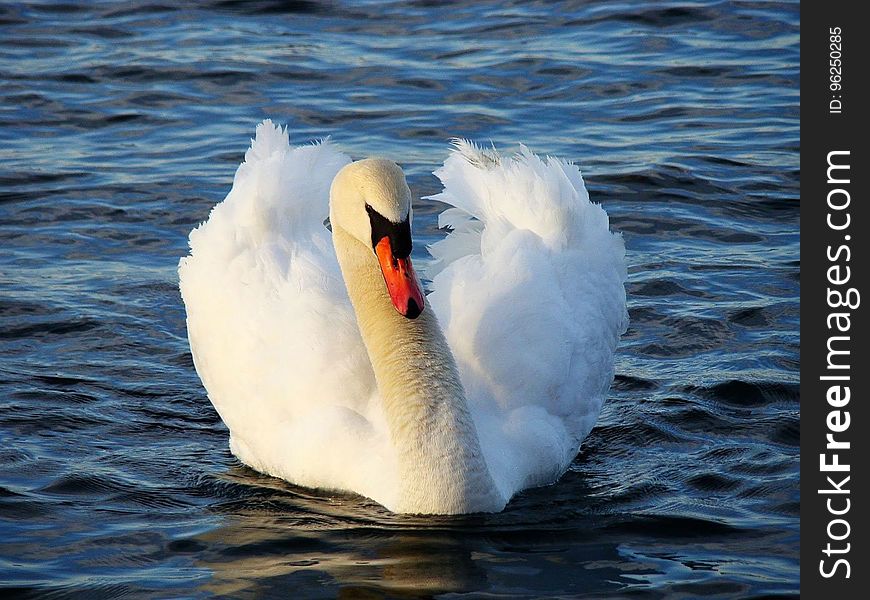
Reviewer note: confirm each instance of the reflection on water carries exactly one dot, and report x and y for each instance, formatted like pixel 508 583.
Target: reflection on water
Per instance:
pixel 292 538
pixel 123 123
pixel 353 561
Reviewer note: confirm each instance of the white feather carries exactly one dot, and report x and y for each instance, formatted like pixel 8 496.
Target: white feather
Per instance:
pixel 272 332
pixel 528 286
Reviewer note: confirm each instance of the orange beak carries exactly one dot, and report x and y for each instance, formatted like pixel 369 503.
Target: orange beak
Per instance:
pixel 402 284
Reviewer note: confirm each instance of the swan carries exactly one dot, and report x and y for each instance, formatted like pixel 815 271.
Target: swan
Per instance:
pixel 333 369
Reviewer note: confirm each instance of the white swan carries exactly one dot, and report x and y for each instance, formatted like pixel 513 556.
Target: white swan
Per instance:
pixel 309 349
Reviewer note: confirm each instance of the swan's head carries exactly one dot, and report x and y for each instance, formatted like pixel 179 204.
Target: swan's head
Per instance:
pixel 370 201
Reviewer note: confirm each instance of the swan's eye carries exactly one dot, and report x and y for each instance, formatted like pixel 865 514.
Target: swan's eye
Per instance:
pixel 398 233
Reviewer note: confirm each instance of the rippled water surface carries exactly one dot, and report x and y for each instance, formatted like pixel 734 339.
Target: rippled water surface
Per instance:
pixel 121 123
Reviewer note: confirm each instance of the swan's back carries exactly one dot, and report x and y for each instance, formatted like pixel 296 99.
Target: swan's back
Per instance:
pixel 529 287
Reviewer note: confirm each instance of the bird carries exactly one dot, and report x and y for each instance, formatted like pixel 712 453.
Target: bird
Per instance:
pixel 334 367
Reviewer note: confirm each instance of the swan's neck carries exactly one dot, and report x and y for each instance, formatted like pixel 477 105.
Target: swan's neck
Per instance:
pixel 441 466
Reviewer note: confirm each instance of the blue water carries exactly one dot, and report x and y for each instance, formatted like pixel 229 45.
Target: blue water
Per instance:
pixel 122 123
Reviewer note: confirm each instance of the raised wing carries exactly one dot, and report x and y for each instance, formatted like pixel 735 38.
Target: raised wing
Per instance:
pixel 529 288
pixel 271 328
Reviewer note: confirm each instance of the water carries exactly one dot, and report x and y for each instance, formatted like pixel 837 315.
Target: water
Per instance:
pixel 121 124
